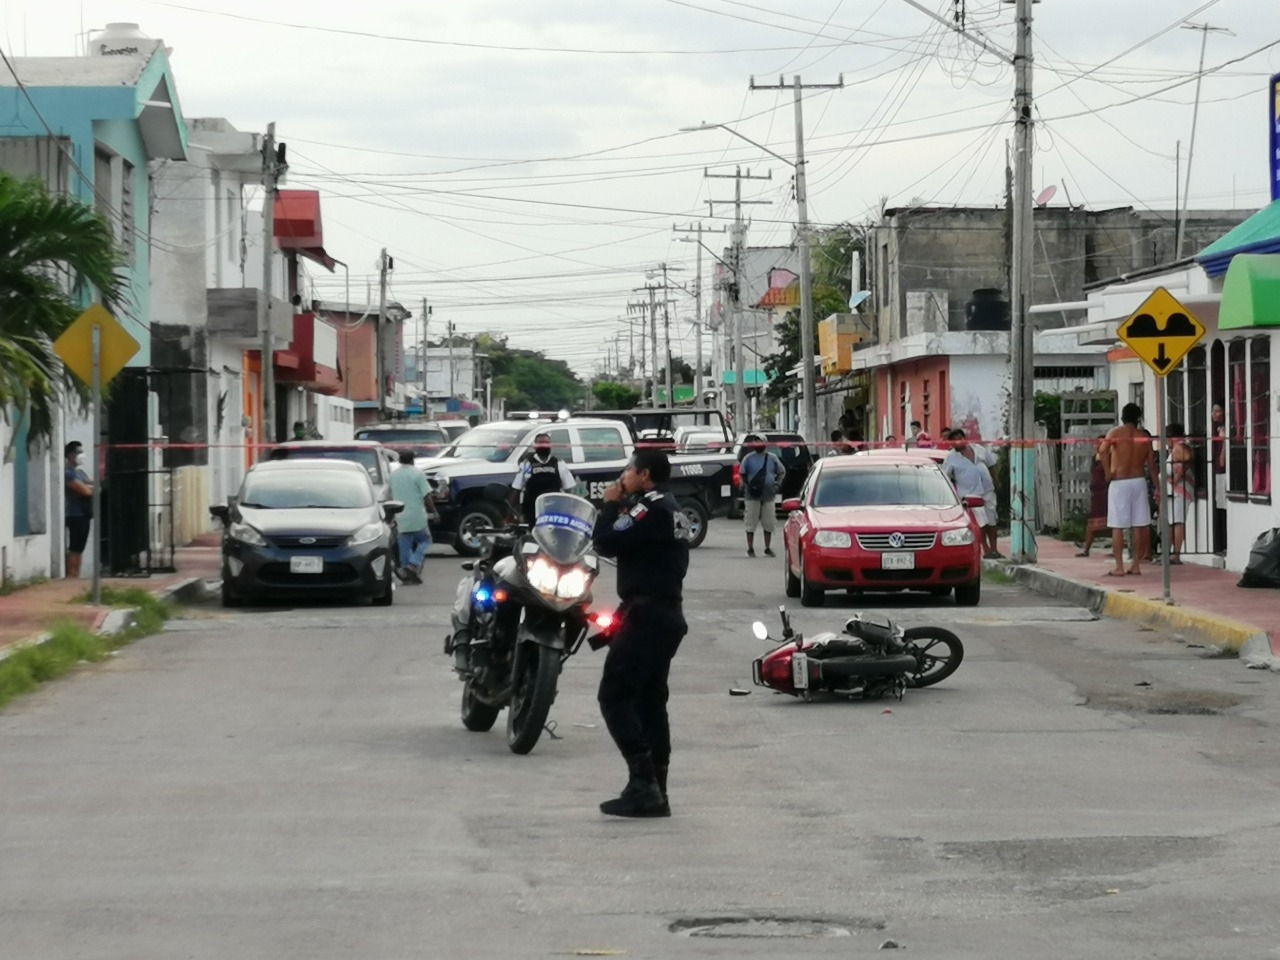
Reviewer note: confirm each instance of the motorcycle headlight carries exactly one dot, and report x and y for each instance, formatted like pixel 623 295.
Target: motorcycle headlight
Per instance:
pixel 832 538
pixel 366 534
pixel 960 537
pixel 247 535
pixel 573 585
pixel 543 576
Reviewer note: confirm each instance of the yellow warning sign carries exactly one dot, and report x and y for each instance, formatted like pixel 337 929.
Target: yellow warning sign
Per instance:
pixel 1161 331
pixel 75 345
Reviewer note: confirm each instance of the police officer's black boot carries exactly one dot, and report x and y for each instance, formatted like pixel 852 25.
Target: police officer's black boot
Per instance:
pixel 661 771
pixel 641 797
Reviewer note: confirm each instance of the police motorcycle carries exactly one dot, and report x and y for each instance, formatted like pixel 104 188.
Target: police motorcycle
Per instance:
pixel 520 612
pixel 873 657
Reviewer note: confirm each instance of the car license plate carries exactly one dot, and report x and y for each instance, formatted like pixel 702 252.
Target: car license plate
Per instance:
pixel 800 671
pixel 897 561
pixel 306 564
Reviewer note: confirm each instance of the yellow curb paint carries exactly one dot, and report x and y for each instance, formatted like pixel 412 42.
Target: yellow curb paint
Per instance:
pixel 1227 633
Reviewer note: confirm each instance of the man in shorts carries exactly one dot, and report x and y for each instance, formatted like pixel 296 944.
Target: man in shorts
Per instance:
pixel 1126 453
pixel 762 474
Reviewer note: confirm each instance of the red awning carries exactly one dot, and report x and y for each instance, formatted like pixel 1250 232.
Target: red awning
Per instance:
pixel 298 226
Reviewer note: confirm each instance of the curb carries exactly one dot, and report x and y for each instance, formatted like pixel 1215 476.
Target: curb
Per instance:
pixel 1204 627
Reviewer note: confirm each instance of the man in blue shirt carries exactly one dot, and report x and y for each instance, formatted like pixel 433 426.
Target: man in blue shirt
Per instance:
pixel 411 488
pixel 762 474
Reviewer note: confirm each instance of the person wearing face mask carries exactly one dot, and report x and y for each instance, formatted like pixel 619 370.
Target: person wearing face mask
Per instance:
pixel 78 509
pixel 539 473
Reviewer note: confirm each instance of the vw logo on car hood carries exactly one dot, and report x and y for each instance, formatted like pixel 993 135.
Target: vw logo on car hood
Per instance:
pixel 896 539
pixel 308 540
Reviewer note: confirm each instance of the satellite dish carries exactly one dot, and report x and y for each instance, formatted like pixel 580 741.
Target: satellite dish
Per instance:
pixel 1046 195
pixel 857 297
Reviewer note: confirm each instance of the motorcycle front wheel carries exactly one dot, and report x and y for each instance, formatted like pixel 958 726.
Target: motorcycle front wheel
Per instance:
pixel 535 690
pixel 476 715
pixel 938 654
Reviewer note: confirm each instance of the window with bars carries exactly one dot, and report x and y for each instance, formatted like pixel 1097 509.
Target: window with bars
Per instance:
pixel 1260 417
pixel 128 212
pixel 1237 418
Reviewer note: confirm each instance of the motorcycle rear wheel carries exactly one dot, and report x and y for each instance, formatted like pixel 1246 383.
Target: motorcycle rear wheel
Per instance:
pixel 476 716
pixel 535 691
pixel 938 651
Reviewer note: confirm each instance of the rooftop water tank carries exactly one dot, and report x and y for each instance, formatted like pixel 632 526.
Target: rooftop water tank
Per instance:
pixel 987 309
pixel 121 40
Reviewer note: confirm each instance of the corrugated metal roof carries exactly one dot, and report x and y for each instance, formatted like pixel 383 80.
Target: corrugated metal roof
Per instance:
pixel 1259 234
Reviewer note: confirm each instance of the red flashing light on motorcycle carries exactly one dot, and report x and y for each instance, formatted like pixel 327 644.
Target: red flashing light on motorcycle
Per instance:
pixel 603 620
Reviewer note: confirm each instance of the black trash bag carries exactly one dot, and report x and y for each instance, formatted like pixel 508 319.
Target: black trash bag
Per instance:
pixel 1263 569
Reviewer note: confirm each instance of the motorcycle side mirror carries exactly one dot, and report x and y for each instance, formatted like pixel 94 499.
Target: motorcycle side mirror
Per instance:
pixel 787 632
pixel 469 565
pixel 760 630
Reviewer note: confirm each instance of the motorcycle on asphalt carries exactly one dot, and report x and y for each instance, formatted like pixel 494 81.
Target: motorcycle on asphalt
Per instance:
pixel 873 657
pixel 520 612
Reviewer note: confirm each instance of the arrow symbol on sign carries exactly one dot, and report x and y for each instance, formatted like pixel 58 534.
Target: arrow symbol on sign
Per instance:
pixel 1161 360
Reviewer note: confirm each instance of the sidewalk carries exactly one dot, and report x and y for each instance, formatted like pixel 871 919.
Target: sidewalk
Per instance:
pixel 28 612
pixel 1207 604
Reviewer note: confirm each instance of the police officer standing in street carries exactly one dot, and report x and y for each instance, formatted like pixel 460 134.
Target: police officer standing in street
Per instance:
pixel 641 526
pixel 539 473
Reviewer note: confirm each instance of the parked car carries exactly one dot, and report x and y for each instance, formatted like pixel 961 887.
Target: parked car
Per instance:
pixel 454 428
pixel 886 522
pixel 795 454
pixel 379 461
pixel 425 438
pixel 309 528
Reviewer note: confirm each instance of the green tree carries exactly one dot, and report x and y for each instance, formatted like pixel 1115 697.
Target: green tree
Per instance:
pixel 830 259
pixel 614 396
pixel 52 249
pixel 527 380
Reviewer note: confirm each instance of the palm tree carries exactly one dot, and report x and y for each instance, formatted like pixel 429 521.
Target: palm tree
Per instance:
pixel 51 247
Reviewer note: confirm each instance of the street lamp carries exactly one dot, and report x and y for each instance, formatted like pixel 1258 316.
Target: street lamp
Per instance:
pixel 809 384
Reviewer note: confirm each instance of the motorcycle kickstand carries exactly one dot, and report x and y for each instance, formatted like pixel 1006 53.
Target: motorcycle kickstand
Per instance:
pixel 550 727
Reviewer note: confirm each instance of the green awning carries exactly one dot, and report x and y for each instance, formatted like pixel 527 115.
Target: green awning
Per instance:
pixel 1251 292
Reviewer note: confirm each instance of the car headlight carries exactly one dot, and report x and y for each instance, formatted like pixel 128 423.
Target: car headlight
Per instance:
pixel 960 537
pixel 439 488
pixel 366 534
pixel 246 534
pixel 832 538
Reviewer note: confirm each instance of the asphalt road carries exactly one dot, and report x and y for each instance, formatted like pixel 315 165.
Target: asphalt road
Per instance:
pixel 281 783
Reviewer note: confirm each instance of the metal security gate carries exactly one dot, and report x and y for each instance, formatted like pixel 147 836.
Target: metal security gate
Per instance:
pixel 1085 415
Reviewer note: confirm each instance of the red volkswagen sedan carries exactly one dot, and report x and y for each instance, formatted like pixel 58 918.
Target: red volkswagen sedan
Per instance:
pixel 881 523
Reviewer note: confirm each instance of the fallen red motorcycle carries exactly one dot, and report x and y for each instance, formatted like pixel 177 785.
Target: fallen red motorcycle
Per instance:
pixel 872 658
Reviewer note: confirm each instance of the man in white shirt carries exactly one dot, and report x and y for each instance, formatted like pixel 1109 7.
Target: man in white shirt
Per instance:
pixel 971 477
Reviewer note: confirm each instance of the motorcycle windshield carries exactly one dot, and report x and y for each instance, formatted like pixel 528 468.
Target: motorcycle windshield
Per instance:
pixel 563 526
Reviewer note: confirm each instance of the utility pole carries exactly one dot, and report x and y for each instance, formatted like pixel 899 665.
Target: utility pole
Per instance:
pixel 426 318
pixel 273 166
pixel 1205 30
pixel 449 327
pixel 653 341
pixel 736 268
pixel 697 303
pixel 666 336
pixel 809 420
pixel 379 333
pixel 1022 331
pixel 1022 328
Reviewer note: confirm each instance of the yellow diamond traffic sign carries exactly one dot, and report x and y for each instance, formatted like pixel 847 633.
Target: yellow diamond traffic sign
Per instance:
pixel 1161 331
pixel 75 345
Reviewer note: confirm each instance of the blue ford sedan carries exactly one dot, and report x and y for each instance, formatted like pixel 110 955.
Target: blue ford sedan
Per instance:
pixel 306 528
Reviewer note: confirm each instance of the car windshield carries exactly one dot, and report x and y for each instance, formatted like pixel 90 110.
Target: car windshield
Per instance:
pixel 455 430
pixel 413 435
pixel 897 485
pixel 367 457
pixel 494 444
pixel 299 489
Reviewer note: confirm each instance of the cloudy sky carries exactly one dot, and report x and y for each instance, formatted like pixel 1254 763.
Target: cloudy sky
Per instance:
pixel 522 160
